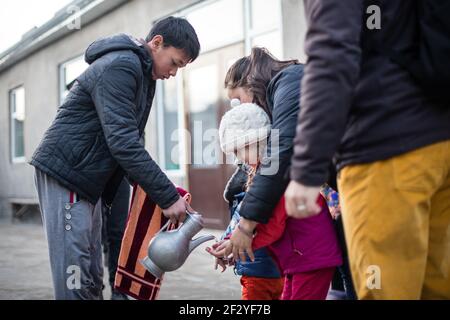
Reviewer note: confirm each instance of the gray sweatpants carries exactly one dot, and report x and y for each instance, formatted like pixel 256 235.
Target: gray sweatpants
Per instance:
pixel 73 232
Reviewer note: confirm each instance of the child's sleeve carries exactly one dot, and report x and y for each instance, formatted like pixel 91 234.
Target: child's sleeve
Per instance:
pixel 266 234
pixel 236 184
pixel 331 196
pixel 231 226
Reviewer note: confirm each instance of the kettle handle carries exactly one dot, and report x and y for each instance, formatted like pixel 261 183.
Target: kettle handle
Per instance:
pixel 168 222
pixel 163 227
pixel 191 213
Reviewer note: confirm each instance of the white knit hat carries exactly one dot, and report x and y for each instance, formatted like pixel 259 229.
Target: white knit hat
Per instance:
pixel 243 125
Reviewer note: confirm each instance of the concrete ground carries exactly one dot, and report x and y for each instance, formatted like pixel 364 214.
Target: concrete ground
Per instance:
pixel 25 271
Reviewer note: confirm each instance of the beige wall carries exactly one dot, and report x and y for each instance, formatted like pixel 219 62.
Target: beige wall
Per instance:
pixel 39 74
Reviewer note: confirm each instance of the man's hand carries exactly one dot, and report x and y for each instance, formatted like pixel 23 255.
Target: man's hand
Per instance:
pixel 301 200
pixel 177 211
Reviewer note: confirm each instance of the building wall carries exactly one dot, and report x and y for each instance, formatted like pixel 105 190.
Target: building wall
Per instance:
pixel 39 74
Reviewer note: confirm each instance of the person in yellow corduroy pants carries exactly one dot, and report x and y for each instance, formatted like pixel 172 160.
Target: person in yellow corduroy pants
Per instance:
pixel 396 216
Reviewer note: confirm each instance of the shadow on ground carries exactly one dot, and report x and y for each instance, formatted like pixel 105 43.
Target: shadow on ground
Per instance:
pixel 25 271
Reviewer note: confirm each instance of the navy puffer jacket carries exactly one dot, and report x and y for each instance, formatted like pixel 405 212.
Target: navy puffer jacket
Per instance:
pixel 95 137
pixel 272 179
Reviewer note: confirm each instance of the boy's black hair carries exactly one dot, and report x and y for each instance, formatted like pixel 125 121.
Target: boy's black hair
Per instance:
pixel 178 33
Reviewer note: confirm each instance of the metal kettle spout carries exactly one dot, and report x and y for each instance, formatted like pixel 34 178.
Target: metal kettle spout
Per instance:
pixel 198 241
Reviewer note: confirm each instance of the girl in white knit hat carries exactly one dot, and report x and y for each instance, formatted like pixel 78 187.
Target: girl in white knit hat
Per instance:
pixel 243 132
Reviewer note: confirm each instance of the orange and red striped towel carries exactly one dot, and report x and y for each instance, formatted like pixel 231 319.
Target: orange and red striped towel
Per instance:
pixel 145 219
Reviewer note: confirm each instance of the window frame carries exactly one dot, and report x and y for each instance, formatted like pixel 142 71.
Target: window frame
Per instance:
pixel 251 33
pixel 62 76
pixel 12 118
pixel 181 171
pixel 185 13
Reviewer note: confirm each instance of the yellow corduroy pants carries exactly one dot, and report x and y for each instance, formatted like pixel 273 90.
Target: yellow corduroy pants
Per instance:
pixel 396 216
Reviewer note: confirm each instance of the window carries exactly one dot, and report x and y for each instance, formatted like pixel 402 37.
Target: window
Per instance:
pixel 264 26
pixel 223 22
pixel 271 41
pixel 68 72
pixel 264 14
pixel 203 93
pixel 169 118
pixel 218 24
pixel 17 107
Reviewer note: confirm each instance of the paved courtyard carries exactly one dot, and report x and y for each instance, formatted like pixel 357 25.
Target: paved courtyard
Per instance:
pixel 25 271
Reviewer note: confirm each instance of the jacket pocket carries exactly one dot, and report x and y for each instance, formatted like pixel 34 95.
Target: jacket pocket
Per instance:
pixel 413 171
pixel 297 250
pixel 88 154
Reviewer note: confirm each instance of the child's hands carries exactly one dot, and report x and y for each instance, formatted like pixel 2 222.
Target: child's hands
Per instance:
pixel 241 241
pixel 220 262
pixel 216 251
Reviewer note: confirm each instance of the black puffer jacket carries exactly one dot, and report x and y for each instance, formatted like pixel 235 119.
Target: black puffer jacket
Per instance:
pixel 94 139
pixel 283 96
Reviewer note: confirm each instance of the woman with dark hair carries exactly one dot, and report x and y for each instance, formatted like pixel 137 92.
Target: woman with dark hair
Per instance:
pixel 308 251
pixel 252 74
